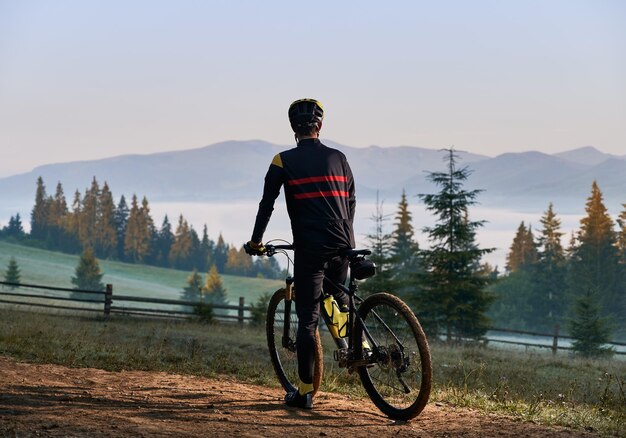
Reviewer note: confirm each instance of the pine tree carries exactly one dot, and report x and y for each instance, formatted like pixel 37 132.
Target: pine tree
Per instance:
pixel 88 218
pixel 238 262
pixel 595 261
pixel 523 251
pixel 148 231
pixel 213 290
pixel 206 249
pixel 379 243
pixel 513 305
pixel 550 302
pixel 14 229
pixel 164 243
pixel 404 250
pixel 193 290
pixel 454 297
pixel 180 251
pixel 12 274
pixel 106 226
pixel 87 275
pixel 56 218
pixel 39 214
pixel 138 237
pixel 121 222
pixel 588 328
pixel 195 259
pixel 621 248
pixel 221 254
pixel 71 226
pixel 621 237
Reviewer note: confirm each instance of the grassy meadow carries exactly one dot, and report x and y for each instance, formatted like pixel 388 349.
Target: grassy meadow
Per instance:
pixel 49 268
pixel 555 390
pixel 563 390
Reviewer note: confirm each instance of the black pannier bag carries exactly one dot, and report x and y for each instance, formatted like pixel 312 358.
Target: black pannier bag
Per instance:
pixel 362 269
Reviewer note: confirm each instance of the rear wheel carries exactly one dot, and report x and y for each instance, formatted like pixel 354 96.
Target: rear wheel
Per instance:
pixel 398 379
pixel 283 352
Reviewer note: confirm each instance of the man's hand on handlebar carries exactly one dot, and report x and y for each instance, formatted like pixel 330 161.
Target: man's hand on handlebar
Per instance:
pixel 253 248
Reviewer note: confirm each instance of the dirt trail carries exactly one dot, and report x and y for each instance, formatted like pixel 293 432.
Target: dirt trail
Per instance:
pixel 56 401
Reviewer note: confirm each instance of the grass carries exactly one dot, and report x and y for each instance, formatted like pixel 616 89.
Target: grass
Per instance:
pixel 49 268
pixel 562 390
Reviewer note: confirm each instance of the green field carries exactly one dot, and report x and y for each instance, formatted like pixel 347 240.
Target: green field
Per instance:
pixel 50 268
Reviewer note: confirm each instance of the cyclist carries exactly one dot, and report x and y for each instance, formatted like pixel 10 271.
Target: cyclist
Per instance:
pixel 319 192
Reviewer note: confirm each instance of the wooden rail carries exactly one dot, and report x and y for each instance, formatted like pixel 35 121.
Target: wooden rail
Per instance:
pixel 104 303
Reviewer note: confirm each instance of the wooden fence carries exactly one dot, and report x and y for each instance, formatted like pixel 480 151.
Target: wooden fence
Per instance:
pixel 106 303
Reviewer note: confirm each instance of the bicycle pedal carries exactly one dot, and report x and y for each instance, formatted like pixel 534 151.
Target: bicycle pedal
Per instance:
pixel 341 356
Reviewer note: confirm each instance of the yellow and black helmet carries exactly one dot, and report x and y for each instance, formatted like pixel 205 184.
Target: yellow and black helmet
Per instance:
pixel 304 113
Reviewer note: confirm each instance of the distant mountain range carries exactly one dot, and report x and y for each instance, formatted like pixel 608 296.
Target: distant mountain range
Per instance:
pixel 234 171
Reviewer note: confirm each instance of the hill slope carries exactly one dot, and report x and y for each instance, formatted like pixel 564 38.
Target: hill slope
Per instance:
pixel 56 269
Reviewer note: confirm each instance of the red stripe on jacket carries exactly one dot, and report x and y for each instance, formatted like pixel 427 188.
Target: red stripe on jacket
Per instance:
pixel 315 179
pixel 320 194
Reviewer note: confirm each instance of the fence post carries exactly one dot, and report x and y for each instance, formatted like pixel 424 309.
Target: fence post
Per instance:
pixel 108 299
pixel 240 310
pixel 555 339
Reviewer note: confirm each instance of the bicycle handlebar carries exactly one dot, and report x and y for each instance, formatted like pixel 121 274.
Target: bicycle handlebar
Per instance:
pixel 270 250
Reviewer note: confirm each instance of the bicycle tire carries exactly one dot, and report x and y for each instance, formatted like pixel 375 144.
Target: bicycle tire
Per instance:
pixel 394 365
pixel 284 360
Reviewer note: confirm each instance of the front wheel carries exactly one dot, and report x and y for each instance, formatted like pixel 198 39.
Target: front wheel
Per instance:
pixel 283 351
pixel 399 375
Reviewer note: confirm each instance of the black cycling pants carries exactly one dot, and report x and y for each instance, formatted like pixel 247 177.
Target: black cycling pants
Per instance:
pixel 309 271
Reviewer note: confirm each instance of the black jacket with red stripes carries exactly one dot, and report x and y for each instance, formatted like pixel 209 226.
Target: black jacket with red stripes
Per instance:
pixel 319 191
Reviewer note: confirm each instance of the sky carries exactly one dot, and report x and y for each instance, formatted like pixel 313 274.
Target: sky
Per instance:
pixel 82 80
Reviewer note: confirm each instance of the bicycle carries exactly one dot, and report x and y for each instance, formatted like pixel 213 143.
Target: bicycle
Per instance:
pixel 382 340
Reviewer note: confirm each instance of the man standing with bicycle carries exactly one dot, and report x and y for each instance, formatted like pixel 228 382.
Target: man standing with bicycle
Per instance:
pixel 319 192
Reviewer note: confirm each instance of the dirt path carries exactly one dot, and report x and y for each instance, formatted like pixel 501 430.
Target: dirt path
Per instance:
pixel 56 401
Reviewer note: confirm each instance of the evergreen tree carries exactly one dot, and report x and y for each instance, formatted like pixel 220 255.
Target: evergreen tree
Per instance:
pixel 454 297
pixel 404 250
pixel 206 249
pixel 39 214
pixel 71 226
pixel 267 267
pixel 551 303
pixel 221 254
pixel 180 251
pixel 379 243
pixel 621 248
pixel 213 290
pixel 12 274
pixel 621 237
pixel 121 222
pixel 513 307
pixel 165 240
pixel 588 328
pixel 106 226
pixel 196 259
pixel 88 218
pixel 238 262
pixel 523 251
pixel 137 238
pixel 595 262
pixel 56 218
pixel 87 275
pixel 193 290
pixel 148 232
pixel 14 229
